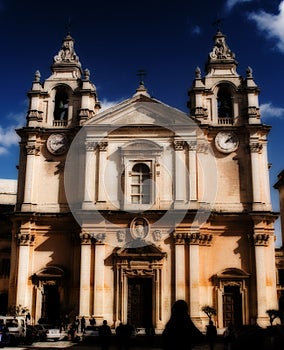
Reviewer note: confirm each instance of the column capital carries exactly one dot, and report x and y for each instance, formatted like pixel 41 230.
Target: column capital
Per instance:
pixel 179 145
pixel 103 146
pixel 255 147
pixel 99 237
pixel 90 146
pixel 259 239
pixel 192 145
pixel 32 149
pixel 179 237
pixel 200 238
pixel 85 237
pixel 25 238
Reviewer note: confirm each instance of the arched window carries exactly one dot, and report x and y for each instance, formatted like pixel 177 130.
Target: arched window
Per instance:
pixel 225 105
pixel 140 184
pixel 61 104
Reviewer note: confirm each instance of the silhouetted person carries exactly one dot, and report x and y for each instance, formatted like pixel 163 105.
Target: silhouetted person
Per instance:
pixel 123 335
pixel 127 331
pixel 180 332
pixel 104 333
pixel 229 336
pixel 92 321
pixel 211 334
pixel 83 324
pixel 150 333
pixel 119 336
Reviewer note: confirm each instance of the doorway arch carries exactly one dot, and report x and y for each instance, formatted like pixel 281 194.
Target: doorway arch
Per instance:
pixel 49 296
pixel 138 285
pixel 231 287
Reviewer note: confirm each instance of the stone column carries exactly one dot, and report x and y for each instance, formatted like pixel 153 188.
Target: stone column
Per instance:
pixel 24 240
pixel 265 175
pixel 255 148
pixel 85 275
pixel 180 174
pixel 32 150
pixel 99 278
pixel 194 292
pixel 102 168
pixel 90 175
pixel 261 241
pixel 159 297
pixel 192 145
pixel 179 266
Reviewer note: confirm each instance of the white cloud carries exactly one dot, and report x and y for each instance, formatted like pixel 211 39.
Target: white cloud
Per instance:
pixel 271 24
pixel 8 135
pixel 105 104
pixel 269 111
pixel 3 150
pixel 232 3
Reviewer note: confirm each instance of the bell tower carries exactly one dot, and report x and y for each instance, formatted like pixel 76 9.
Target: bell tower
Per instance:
pixel 67 98
pixel 57 107
pixel 226 107
pixel 223 97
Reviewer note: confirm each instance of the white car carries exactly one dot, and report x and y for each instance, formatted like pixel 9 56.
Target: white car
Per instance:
pixel 48 332
pixel 16 326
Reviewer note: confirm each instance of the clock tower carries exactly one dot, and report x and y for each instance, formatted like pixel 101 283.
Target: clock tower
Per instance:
pixel 58 106
pixel 226 106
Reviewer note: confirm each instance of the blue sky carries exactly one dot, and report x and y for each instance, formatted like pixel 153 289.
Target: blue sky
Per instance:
pixel 114 39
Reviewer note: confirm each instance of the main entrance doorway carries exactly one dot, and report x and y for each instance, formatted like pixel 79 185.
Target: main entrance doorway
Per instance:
pixel 139 308
pixel 51 304
pixel 232 306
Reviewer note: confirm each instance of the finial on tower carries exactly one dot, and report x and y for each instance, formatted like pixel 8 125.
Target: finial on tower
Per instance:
pixel 68 26
pixel 141 74
pixel 217 23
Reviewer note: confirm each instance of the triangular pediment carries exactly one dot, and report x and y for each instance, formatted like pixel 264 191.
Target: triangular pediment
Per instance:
pixel 136 111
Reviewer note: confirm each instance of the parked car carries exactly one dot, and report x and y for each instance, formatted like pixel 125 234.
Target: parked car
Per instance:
pixel 48 332
pixel 7 339
pixel 16 326
pixel 90 334
pixel 32 335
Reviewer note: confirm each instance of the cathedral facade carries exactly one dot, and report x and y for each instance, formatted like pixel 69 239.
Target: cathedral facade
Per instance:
pixel 123 211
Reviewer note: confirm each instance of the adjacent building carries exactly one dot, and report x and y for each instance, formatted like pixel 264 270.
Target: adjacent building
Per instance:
pixel 120 212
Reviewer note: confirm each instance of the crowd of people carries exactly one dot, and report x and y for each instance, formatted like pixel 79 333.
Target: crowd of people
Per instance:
pixel 179 333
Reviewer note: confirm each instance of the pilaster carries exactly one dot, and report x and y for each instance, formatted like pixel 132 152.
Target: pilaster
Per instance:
pixel 192 147
pixel 25 238
pixel 85 274
pixel 102 168
pixel 32 150
pixel 90 175
pixel 180 174
pixel 255 149
pixel 99 276
pixel 180 282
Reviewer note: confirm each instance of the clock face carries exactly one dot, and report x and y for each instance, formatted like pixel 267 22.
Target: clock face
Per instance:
pixel 57 144
pixel 226 142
